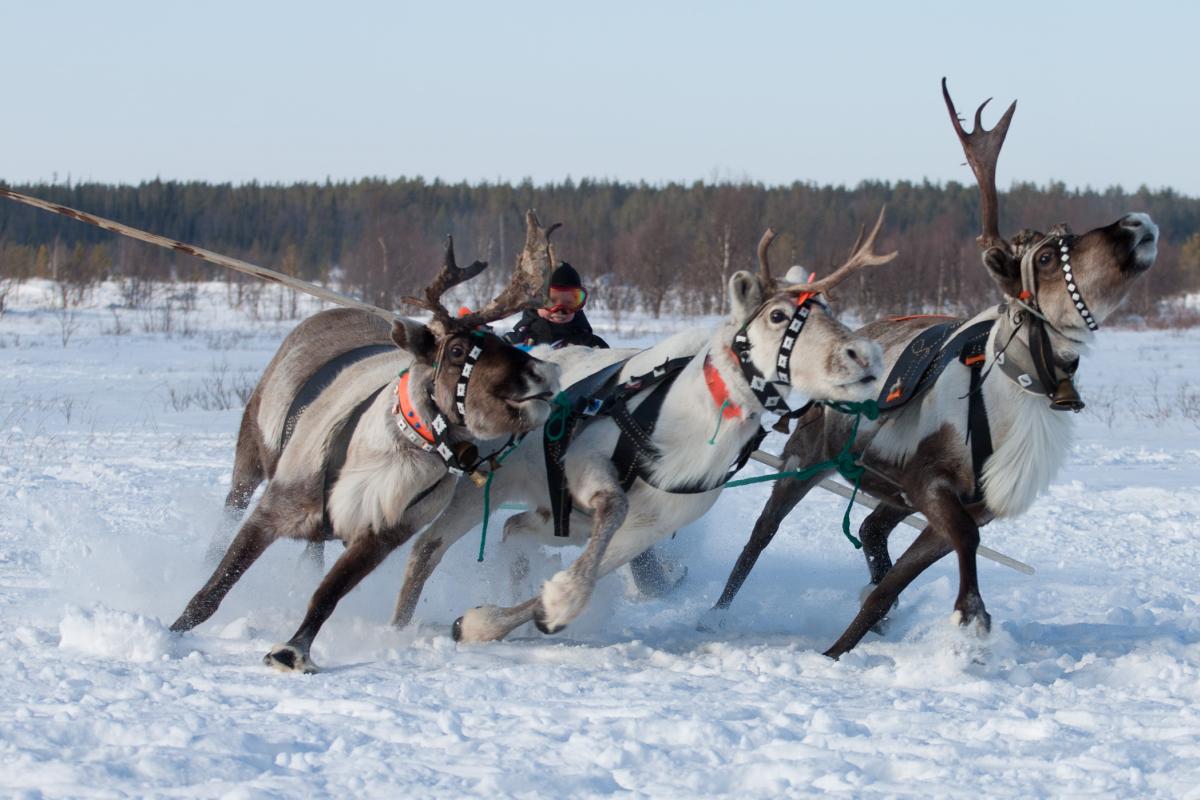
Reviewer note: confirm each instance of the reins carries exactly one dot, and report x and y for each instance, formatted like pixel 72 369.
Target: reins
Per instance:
pixel 845 462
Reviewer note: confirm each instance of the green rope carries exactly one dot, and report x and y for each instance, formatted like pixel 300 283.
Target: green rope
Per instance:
pixel 487 500
pixel 555 430
pixel 720 416
pixel 560 415
pixel 844 462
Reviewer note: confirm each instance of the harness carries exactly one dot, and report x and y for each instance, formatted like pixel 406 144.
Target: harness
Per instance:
pixel 764 390
pixel 321 380
pixel 599 394
pixel 460 458
pixel 923 362
pixel 338 450
pixel 1048 377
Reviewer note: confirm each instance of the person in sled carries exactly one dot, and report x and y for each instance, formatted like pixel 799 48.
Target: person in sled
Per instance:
pixel 561 322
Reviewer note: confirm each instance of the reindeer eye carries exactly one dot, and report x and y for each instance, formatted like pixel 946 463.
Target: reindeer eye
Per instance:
pixel 1045 258
pixel 457 351
pixel 778 316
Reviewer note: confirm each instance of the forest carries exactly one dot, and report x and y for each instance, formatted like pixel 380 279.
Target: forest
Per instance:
pixel 653 248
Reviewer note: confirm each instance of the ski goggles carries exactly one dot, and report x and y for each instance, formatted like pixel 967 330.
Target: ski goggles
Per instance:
pixel 565 299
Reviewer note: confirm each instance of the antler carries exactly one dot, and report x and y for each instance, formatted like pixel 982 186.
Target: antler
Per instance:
pixel 982 148
pixel 529 280
pixel 861 256
pixel 451 275
pixel 764 265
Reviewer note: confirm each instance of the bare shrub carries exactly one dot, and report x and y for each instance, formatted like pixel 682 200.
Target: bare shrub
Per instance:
pixel 226 340
pixel 169 320
pixel 136 291
pixel 119 328
pixel 65 313
pixel 221 391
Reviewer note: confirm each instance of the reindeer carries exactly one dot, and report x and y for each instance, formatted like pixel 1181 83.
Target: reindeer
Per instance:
pixel 985 438
pixel 370 457
pixel 678 415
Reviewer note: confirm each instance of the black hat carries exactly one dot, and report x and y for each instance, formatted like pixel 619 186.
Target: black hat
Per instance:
pixel 565 275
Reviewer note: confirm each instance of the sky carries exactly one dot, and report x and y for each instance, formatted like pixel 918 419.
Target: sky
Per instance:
pixel 774 92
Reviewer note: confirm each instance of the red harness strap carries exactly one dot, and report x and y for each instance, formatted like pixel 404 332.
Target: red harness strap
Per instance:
pixel 719 391
pixel 405 408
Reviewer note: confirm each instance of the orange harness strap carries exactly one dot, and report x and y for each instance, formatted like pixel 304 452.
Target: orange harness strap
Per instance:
pixel 404 407
pixel 719 391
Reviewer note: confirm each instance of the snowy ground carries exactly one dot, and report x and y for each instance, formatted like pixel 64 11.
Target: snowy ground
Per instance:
pixel 114 460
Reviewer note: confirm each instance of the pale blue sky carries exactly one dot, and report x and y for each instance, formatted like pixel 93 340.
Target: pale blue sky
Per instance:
pixel 774 92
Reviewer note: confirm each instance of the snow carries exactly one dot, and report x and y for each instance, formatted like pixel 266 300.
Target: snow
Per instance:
pixel 115 452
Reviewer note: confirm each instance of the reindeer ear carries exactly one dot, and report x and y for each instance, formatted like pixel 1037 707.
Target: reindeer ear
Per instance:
pixel 1004 269
pixel 415 338
pixel 745 294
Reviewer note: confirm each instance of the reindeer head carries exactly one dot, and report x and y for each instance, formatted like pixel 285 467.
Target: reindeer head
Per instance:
pixel 1073 281
pixel 479 380
pixel 788 335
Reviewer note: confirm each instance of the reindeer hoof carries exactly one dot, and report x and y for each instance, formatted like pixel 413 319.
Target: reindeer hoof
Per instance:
pixel 287 658
pixel 973 615
pixel 539 619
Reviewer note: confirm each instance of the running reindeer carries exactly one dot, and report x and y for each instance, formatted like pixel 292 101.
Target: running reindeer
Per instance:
pixel 957 447
pixel 652 437
pixel 371 458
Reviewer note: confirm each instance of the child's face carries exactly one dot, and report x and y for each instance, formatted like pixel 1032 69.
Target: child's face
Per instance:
pixel 559 316
pixel 562 303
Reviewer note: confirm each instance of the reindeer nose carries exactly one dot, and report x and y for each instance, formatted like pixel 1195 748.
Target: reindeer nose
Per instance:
pixel 857 357
pixel 1141 226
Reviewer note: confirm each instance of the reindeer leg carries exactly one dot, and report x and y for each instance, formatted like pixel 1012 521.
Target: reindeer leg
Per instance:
pixel 462 514
pixel 247 475
pixel 784 497
pixel 927 548
pixel 565 595
pixel 489 623
pixel 874 533
pixel 359 559
pixel 247 546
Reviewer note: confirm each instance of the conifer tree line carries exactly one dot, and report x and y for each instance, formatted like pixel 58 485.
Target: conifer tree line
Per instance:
pixel 654 248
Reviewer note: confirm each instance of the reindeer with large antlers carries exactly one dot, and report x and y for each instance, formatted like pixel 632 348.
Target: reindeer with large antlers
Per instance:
pixel 973 424
pixel 652 437
pixel 354 452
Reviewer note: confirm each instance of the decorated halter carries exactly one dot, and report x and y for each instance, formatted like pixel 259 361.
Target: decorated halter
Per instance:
pixel 764 390
pixel 460 388
pixel 1029 280
pixel 1064 249
pixel 433 436
pixel 1042 375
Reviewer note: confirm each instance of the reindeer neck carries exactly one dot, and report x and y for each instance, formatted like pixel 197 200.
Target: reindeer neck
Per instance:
pixel 696 436
pixel 1033 355
pixel 1030 439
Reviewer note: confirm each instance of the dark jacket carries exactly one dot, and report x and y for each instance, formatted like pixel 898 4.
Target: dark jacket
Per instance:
pixel 532 329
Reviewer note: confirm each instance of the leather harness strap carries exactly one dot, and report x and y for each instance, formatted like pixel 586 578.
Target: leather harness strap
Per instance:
pixel 924 361
pixel 584 398
pixel 598 395
pixel 635 447
pixel 320 380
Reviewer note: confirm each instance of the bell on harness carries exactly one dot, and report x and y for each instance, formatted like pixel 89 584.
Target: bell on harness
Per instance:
pixel 1065 398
